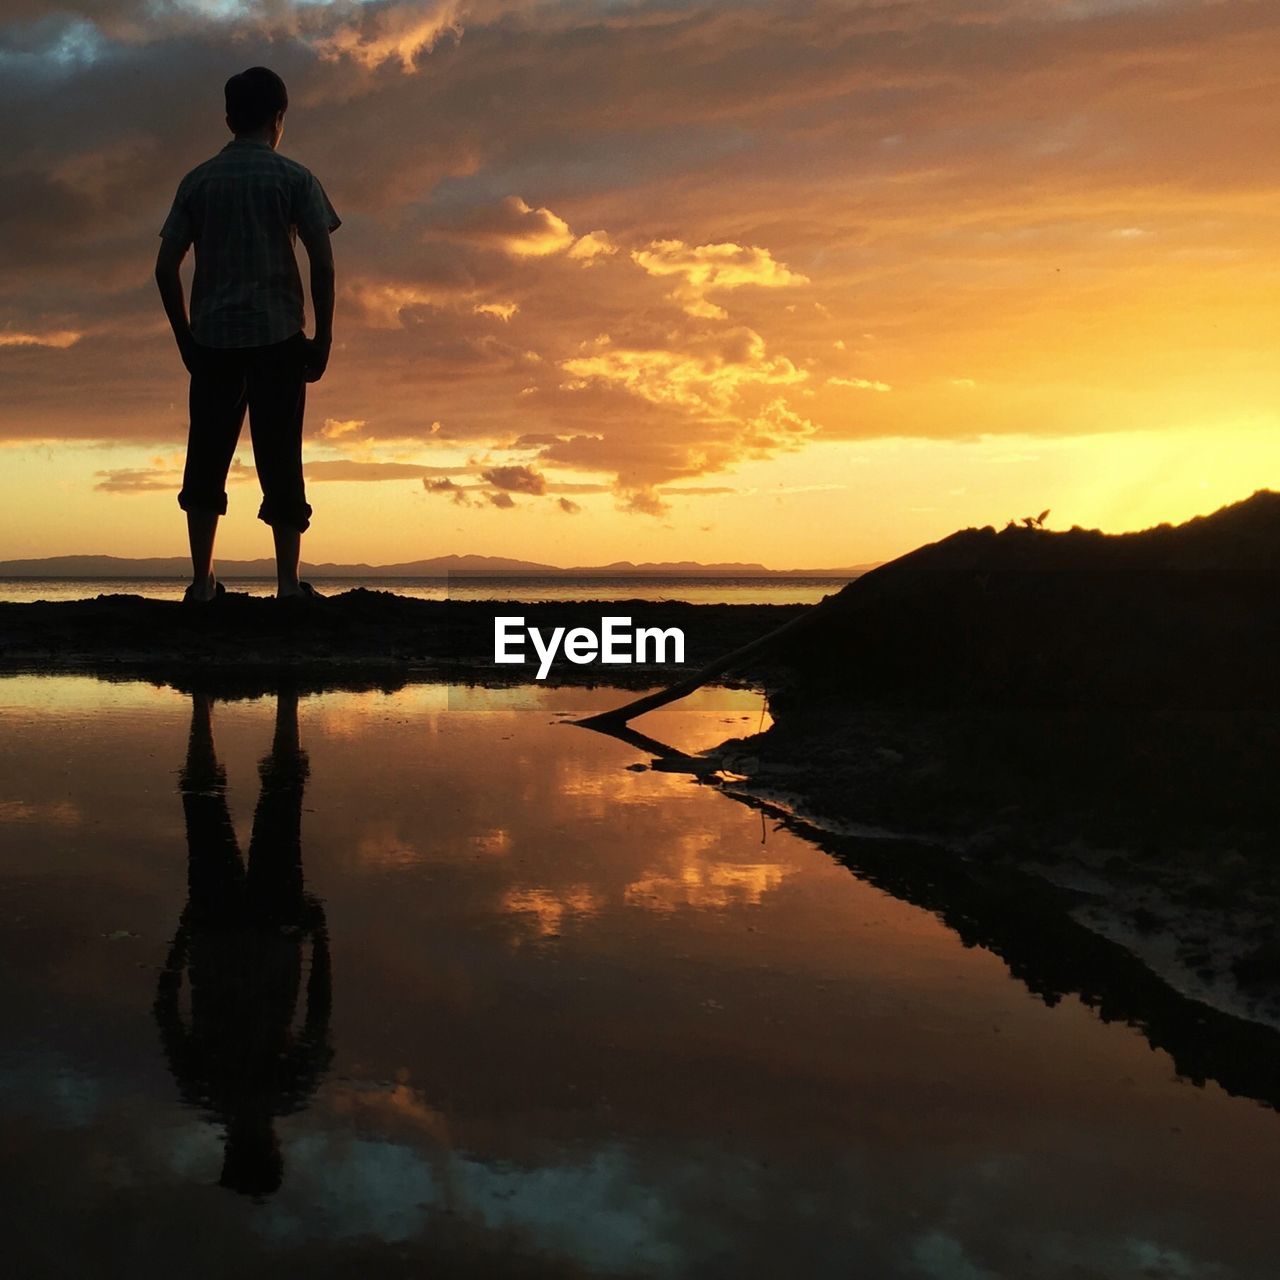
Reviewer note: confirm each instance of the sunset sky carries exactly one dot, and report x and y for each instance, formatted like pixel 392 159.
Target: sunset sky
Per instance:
pixel 799 283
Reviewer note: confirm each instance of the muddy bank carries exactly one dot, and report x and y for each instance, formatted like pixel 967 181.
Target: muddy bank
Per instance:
pixel 1100 711
pixel 377 633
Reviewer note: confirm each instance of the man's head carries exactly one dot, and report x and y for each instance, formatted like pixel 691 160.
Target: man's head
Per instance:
pixel 256 103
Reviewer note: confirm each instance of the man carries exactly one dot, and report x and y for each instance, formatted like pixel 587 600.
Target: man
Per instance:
pixel 243 344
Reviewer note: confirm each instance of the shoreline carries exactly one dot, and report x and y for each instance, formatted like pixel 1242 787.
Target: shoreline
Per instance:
pixel 357 631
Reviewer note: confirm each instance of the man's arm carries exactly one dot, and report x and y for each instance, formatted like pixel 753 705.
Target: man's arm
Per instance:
pixel 169 281
pixel 320 254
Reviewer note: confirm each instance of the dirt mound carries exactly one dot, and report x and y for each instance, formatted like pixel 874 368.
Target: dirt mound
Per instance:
pixel 1185 616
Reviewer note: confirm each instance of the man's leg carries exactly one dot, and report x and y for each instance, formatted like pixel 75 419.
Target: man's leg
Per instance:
pixel 277 400
pixel 288 555
pixel 217 403
pixel 202 529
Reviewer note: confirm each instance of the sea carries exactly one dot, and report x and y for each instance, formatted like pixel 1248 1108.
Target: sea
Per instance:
pixel 525 588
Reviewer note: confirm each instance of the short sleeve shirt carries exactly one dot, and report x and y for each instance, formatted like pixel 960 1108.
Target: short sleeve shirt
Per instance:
pixel 242 211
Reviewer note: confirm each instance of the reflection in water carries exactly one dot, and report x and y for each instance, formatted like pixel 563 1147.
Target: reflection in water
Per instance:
pixel 1022 920
pixel 589 1026
pixel 240 942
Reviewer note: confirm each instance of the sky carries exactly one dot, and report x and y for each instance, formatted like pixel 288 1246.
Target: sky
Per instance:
pixel 805 284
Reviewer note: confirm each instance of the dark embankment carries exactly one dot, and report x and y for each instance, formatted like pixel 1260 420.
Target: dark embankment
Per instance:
pixel 384 636
pixel 1102 708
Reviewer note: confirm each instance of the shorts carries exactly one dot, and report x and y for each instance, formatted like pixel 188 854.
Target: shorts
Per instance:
pixel 269 382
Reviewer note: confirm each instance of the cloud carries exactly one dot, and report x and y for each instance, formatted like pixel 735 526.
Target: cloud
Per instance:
pixel 509 225
pixel 137 480
pixel 515 479
pixel 535 440
pixel 592 247
pixel 568 506
pixel 503 501
pixel 501 310
pixel 335 429
pixel 161 476
pixel 59 339
pixel 776 428
pixel 702 375
pixel 383 305
pixel 457 494
pixel 642 502
pixel 859 384
pixel 699 491
pixel 392 33
pixel 343 469
pixel 712 266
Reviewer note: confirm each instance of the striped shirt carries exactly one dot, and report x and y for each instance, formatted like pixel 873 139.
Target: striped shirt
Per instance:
pixel 242 211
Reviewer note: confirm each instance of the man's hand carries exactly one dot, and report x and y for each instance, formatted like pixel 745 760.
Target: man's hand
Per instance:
pixel 188 350
pixel 317 358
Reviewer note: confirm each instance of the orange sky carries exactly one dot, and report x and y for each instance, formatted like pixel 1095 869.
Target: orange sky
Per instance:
pixel 802 284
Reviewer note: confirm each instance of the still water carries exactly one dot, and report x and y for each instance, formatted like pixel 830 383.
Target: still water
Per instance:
pixel 432 983
pixel 522 588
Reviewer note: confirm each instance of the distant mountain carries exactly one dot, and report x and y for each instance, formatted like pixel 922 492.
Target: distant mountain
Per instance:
pixel 436 567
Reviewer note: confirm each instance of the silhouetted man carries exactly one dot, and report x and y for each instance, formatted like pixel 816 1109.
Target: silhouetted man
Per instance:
pixel 243 342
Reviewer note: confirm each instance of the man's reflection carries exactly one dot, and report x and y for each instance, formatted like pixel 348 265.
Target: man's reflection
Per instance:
pixel 238 1054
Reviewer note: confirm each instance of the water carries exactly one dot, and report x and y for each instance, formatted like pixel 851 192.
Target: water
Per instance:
pixel 491 1002
pixel 524 588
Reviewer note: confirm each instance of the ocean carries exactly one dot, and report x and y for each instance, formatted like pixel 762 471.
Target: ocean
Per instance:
pixel 525 588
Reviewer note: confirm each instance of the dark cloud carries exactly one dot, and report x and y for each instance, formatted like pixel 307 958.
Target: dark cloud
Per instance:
pixel 568 506
pixel 515 479
pixel 456 492
pixel 501 500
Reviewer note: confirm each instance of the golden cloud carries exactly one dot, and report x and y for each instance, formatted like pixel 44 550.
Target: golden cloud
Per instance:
pixel 501 310
pixel 59 339
pixel 704 376
pixel 334 429
pixel 381 305
pixel 641 502
pixel 699 268
pixel 776 427
pixel 592 247
pixel 510 225
pixel 350 469
pixel 392 33
pixel 859 384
